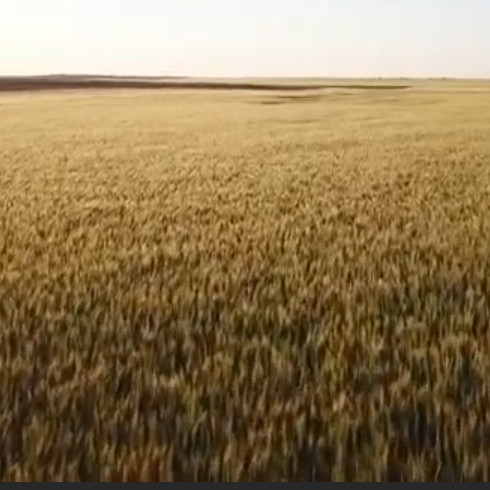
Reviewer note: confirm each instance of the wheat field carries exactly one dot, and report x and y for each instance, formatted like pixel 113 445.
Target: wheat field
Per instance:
pixel 245 286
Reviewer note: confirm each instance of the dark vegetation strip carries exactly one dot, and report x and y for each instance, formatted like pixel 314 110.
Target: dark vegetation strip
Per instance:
pixel 12 84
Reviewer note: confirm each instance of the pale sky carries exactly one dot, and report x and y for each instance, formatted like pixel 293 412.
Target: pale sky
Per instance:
pixel 350 38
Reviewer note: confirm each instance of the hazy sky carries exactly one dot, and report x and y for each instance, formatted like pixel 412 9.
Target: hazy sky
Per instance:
pixel 246 37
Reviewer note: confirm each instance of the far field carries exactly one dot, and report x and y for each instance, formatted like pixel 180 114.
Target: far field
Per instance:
pixel 245 285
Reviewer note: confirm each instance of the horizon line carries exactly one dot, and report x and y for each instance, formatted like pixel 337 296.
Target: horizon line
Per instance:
pixel 247 77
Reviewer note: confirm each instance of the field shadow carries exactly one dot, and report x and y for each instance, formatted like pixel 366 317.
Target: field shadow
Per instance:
pixel 303 98
pixel 286 99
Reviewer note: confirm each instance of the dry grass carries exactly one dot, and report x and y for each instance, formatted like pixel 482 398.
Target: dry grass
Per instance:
pixel 199 286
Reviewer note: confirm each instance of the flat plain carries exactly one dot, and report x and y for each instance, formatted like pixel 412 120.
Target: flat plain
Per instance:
pixel 245 285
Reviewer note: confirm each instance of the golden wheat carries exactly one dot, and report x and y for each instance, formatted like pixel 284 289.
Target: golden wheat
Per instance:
pixel 241 286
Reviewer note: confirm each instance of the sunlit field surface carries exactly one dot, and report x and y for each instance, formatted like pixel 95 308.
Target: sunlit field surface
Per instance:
pixel 246 285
